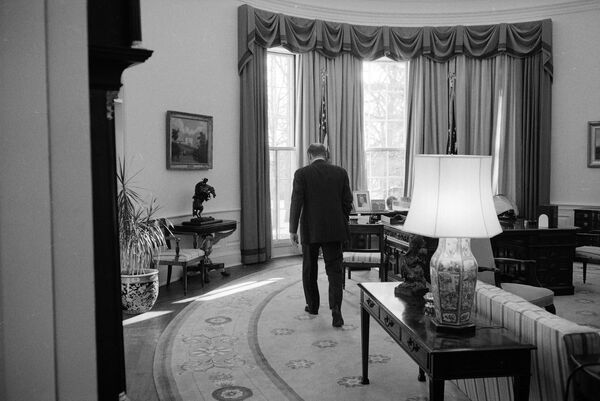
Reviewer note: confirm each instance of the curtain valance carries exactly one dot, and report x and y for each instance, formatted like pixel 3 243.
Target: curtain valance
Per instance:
pixel 267 29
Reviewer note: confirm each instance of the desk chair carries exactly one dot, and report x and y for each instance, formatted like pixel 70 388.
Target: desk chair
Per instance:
pixel 588 249
pixel 516 276
pixel 186 257
pixel 364 250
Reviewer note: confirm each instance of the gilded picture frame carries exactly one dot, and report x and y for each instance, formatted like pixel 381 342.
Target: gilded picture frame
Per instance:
pixel 189 141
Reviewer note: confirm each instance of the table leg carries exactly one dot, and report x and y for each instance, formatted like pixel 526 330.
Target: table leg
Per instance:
pixel 364 337
pixel 436 389
pixel 521 387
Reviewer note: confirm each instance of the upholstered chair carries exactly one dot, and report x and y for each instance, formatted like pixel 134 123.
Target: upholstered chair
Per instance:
pixel 516 276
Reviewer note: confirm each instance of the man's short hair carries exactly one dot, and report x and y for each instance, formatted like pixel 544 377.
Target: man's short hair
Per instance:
pixel 317 149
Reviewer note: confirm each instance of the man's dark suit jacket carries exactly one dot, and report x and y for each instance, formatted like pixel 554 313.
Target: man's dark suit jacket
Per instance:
pixel 321 202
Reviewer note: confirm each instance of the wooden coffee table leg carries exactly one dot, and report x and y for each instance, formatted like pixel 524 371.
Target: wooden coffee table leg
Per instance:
pixel 521 388
pixel 436 390
pixel 364 336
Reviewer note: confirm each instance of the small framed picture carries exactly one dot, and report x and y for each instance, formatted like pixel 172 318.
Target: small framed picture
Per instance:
pixel 594 144
pixel 189 141
pixel 378 205
pixel 361 201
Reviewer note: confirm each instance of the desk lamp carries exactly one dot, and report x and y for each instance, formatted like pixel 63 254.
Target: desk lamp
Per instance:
pixel 452 200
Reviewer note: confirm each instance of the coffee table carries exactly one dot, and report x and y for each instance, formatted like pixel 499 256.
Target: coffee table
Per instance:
pixel 489 351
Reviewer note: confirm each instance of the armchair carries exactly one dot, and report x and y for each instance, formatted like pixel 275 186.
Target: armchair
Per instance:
pixel 184 257
pixel 588 249
pixel 516 276
pixel 365 249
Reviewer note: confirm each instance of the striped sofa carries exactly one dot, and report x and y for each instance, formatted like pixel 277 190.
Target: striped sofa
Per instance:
pixel 555 338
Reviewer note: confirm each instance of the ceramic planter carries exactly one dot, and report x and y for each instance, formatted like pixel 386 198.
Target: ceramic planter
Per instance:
pixel 139 292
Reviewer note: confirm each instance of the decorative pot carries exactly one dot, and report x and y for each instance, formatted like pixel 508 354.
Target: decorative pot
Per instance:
pixel 139 292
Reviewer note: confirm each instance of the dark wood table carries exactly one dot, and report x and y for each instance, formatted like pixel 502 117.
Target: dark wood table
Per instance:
pixel 210 233
pixel 553 249
pixel 491 351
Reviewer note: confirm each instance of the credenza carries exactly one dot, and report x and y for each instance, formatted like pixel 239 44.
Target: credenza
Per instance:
pixel 553 249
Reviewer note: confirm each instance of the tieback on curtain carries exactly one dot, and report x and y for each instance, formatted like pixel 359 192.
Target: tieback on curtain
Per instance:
pixel 267 29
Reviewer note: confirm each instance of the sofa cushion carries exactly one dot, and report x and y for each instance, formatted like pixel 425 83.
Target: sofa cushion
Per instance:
pixel 362 257
pixel 539 296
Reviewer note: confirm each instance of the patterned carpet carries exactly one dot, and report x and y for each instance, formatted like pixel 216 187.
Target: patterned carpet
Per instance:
pixel 584 306
pixel 252 340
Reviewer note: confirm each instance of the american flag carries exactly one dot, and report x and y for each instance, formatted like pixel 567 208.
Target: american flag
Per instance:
pixel 323 113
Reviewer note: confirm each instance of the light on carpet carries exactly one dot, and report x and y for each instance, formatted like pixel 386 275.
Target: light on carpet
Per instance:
pixel 230 290
pixel 145 316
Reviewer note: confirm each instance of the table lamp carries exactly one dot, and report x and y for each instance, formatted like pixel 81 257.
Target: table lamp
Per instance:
pixel 452 200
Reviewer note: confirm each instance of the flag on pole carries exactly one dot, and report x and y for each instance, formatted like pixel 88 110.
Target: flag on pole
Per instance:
pixel 323 137
pixel 451 144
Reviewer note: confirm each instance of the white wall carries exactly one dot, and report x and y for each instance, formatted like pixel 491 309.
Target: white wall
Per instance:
pixel 47 329
pixel 194 69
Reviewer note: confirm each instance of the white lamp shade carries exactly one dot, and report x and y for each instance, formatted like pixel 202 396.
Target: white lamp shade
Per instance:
pixel 452 197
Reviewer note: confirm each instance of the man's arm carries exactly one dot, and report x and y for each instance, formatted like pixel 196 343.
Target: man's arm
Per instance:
pixel 296 206
pixel 346 196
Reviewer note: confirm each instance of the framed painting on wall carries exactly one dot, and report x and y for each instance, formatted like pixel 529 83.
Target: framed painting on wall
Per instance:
pixel 594 144
pixel 189 141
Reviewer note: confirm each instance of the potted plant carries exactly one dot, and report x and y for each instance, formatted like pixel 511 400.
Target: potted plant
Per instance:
pixel 141 234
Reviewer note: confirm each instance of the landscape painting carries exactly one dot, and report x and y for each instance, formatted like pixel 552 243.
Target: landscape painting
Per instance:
pixel 189 141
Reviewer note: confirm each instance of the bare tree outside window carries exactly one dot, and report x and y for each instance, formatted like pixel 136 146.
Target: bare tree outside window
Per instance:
pixel 384 108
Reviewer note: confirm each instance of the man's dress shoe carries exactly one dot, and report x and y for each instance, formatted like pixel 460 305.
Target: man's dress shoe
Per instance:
pixel 338 321
pixel 312 312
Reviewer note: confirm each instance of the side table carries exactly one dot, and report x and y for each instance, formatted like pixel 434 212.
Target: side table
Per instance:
pixel 211 233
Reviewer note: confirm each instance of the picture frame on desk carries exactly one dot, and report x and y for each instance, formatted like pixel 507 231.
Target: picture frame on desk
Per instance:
pixel 361 201
pixel 594 144
pixel 189 141
pixel 378 205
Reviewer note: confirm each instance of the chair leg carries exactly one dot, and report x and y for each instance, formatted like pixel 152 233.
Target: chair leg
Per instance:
pixel 169 268
pixel 584 271
pixel 184 279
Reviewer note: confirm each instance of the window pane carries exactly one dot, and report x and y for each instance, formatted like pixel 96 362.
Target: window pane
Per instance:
pixel 280 90
pixel 385 126
pixel 283 163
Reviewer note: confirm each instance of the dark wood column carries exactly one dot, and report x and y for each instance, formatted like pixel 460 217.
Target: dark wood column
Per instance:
pixel 113 26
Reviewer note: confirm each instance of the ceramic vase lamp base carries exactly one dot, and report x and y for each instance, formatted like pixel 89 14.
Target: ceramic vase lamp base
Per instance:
pixel 453 279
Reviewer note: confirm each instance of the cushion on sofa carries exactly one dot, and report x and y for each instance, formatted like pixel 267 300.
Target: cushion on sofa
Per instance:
pixel 536 295
pixel 555 338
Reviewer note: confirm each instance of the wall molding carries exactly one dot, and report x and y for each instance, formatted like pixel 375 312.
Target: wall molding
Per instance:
pixel 413 14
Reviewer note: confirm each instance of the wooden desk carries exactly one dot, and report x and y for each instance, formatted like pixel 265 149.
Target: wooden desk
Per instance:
pixel 553 249
pixel 492 351
pixel 211 233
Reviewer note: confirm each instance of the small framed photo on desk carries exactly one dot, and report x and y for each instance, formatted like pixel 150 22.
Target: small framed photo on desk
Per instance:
pixel 361 201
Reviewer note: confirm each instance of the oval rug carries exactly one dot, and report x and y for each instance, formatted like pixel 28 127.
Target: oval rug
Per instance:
pixel 252 339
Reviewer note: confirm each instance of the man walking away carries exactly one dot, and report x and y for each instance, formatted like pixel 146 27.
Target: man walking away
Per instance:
pixel 321 203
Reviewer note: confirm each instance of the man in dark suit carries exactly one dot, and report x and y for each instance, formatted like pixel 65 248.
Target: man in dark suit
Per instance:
pixel 321 202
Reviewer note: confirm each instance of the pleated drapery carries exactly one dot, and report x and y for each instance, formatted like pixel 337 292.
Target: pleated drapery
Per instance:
pixel 255 227
pixel 344 108
pixel 260 29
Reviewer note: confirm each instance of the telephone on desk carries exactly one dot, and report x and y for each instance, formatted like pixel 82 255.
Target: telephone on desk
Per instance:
pixel 394 218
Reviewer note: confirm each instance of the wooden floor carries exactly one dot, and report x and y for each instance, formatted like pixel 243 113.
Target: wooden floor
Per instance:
pixel 141 336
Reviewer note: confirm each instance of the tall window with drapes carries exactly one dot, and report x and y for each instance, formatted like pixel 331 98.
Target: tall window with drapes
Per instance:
pixel 500 104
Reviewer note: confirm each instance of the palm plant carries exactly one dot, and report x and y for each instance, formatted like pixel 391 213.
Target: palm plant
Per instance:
pixel 140 233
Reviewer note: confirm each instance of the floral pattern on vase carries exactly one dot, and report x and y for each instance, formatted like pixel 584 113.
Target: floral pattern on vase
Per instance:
pixel 453 280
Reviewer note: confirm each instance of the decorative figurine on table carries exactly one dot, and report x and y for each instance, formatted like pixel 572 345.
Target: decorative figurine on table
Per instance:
pixel 202 193
pixel 412 269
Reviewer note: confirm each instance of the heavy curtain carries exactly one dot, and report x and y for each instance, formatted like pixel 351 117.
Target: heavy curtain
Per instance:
pixel 260 29
pixel 344 108
pixel 255 227
pixel 501 108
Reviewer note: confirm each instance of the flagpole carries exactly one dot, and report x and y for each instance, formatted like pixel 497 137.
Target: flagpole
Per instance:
pixel 323 137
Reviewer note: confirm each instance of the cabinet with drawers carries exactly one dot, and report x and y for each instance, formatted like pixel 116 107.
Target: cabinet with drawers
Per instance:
pixel 587 219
